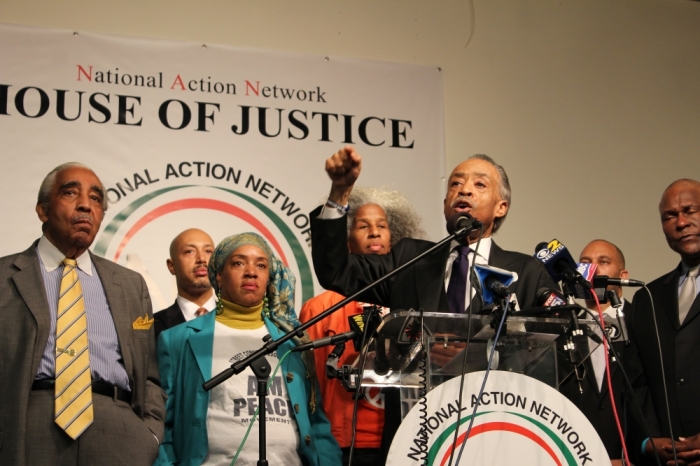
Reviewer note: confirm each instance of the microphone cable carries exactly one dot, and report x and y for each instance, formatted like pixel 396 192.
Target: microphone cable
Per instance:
pixel 635 400
pixel 483 383
pixel 361 366
pixel 466 348
pixel 610 388
pixel 663 376
pixel 255 415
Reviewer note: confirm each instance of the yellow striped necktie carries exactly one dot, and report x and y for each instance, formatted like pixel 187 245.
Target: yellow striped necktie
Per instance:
pixel 73 402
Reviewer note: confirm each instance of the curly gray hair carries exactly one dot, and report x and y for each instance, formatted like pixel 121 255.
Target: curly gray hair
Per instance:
pixel 403 220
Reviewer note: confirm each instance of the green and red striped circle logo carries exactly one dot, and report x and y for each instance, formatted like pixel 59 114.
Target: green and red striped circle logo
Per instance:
pixel 538 433
pixel 519 420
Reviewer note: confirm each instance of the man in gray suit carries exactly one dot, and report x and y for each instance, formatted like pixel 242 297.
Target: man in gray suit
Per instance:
pixel 126 402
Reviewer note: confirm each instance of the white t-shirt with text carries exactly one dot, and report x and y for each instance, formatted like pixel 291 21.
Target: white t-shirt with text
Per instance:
pixel 233 403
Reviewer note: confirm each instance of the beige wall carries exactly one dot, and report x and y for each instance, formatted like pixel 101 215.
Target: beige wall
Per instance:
pixel 592 106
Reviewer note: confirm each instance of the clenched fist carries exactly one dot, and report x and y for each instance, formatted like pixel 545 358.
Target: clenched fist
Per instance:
pixel 343 168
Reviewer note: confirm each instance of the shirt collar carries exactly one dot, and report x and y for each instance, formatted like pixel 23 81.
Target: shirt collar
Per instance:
pixel 684 269
pixel 52 258
pixel 610 311
pixel 484 250
pixel 189 308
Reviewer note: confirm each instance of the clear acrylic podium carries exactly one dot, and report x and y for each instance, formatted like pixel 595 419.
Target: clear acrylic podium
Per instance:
pixel 538 347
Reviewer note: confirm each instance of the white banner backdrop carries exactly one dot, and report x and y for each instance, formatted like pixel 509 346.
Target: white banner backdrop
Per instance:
pixel 220 138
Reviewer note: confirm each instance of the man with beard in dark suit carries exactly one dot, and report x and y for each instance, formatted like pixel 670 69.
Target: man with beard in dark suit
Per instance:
pixel 479 187
pixel 676 309
pixel 189 258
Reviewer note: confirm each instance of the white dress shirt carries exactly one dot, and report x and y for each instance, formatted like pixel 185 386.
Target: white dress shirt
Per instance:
pixel 189 308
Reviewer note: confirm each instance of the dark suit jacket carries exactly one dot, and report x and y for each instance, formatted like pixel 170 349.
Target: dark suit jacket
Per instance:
pixel 422 285
pixel 680 345
pixel 24 331
pixel 167 318
pixel 595 403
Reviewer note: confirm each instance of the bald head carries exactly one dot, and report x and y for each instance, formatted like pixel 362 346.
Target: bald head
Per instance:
pixel 598 246
pixel 187 236
pixel 189 259
pixel 680 219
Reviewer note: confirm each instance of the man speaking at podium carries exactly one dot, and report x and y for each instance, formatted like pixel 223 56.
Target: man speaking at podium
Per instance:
pixel 440 282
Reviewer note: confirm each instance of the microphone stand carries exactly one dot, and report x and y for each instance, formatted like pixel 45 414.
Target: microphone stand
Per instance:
pixel 574 333
pixel 271 345
pixel 261 368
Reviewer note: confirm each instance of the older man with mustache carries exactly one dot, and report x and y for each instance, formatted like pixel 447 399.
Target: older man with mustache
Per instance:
pixel 78 375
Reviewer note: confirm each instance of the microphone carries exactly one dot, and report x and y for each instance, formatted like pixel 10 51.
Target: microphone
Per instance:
pixel 560 265
pixel 614 332
pixel 325 341
pixel 494 282
pixel 602 281
pixel 613 298
pixel 458 222
pixel 496 287
pixel 548 298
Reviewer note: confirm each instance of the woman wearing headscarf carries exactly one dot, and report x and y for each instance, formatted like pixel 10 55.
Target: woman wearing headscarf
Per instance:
pixel 256 298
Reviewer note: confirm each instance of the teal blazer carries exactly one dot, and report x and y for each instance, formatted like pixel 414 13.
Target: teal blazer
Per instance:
pixel 184 361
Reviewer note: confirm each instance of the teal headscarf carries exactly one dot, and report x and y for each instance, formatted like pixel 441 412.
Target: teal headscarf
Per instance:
pixel 280 292
pixel 280 287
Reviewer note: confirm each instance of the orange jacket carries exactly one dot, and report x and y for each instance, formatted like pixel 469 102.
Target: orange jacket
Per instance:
pixel 338 402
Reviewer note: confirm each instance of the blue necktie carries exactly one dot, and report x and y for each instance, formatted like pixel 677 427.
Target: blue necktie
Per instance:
pixel 457 288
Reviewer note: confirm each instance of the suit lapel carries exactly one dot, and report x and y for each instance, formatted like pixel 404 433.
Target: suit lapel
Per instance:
pixel 592 381
pixel 201 342
pixel 30 285
pixel 430 279
pixel 498 257
pixel 693 312
pixel 669 298
pixel 116 299
pixel 614 365
pixel 175 315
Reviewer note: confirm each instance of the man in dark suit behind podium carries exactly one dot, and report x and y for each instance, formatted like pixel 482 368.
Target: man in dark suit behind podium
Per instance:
pixel 478 186
pixel 189 258
pixel 677 313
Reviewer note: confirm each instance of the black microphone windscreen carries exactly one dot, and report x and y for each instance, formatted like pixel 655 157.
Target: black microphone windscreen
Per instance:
pixel 452 223
pixel 459 221
pixel 542 295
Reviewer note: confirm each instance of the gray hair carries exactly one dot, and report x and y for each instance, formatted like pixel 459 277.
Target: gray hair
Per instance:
pixel 503 186
pixel 49 183
pixel 403 220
